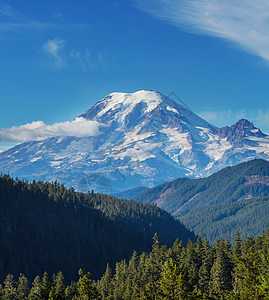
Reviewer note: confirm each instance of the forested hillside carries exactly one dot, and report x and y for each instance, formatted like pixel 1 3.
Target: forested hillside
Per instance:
pixel 196 271
pixel 247 216
pixel 233 199
pixel 45 227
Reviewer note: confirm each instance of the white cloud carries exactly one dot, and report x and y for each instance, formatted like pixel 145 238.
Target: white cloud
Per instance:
pixel 260 118
pixel 54 48
pixel 38 130
pixel 243 22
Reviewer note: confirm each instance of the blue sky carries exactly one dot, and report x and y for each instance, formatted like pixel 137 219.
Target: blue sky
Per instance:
pixel 57 58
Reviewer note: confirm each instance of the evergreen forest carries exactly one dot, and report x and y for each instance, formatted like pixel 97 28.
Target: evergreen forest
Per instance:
pixel 56 243
pixel 45 227
pixel 194 271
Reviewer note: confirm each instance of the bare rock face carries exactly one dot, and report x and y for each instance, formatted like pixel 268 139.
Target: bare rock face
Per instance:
pixel 238 133
pixel 145 139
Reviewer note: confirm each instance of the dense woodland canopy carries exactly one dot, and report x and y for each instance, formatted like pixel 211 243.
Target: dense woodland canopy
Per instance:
pixel 45 227
pixel 196 271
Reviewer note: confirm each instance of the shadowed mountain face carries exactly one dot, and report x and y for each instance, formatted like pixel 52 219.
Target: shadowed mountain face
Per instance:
pixel 145 139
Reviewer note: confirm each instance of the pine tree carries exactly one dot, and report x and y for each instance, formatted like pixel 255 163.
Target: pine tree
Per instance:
pixel 120 278
pixel 105 284
pixel 133 281
pixel 221 272
pixel 178 251
pixel 191 262
pixel 35 292
pixel 247 275
pixel 45 286
pixel 237 247
pixel 85 288
pixel 71 291
pixel 174 283
pixel 141 271
pixel 204 272
pixel 9 289
pixel 57 291
pixel 1 291
pixel 264 277
pixel 23 288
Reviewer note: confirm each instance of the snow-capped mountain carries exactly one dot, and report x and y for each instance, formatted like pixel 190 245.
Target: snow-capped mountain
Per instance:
pixel 145 139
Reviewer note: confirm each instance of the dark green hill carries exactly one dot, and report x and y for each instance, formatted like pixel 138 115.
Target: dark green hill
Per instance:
pixel 235 198
pixel 45 227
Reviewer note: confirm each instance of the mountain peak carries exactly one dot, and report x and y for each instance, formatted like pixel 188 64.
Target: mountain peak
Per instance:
pixel 139 93
pixel 120 107
pixel 244 123
pixel 131 109
pixel 151 98
pixel 237 133
pixel 147 139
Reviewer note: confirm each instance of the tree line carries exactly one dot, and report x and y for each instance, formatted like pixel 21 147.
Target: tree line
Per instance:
pixel 194 271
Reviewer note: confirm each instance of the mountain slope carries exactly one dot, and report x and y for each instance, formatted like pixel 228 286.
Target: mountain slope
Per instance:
pixel 129 194
pixel 145 139
pixel 44 227
pixel 248 217
pixel 235 198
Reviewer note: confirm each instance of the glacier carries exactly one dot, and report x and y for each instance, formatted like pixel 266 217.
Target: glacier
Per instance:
pixel 145 139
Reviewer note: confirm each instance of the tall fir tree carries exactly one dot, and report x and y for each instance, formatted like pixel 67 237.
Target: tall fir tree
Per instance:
pixel 174 283
pixel 36 290
pixel 23 288
pixel 85 288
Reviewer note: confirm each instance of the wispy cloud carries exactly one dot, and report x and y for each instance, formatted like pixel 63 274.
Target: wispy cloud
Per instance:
pixel 101 59
pixel 87 60
pixel 54 48
pixel 38 130
pixel 76 56
pixel 243 22
pixel 17 22
pixel 37 26
pixel 6 10
pixel 260 118
pixel 58 15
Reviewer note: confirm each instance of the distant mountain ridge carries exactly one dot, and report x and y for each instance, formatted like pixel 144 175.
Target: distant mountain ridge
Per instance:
pixel 129 194
pixel 146 139
pixel 233 199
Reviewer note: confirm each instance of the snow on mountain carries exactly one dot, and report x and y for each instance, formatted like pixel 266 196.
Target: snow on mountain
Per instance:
pixel 145 139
